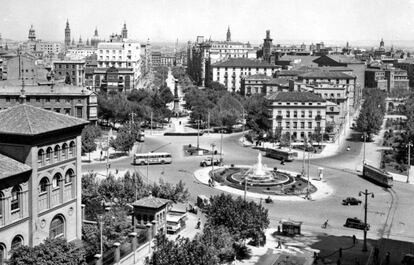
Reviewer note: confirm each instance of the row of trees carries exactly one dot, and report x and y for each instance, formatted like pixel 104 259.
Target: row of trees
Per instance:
pixel 227 109
pixel 372 112
pixel 230 222
pixel 119 194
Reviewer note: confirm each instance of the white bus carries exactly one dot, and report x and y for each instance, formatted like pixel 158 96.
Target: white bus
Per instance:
pixel 152 158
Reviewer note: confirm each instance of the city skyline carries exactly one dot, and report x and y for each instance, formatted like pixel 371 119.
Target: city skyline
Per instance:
pixel 362 23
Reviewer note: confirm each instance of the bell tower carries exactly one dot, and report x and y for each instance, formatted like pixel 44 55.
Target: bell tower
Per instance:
pixel 124 32
pixel 67 34
pixel 228 35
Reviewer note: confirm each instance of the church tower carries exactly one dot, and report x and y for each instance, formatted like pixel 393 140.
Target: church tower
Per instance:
pixel 124 32
pixel 382 43
pixel 267 47
pixel 32 34
pixel 67 34
pixel 228 35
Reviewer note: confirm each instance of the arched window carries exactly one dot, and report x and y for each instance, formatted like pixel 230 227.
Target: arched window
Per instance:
pixel 41 157
pixel 17 242
pixel 56 181
pixel 69 175
pixel 57 153
pixel 43 185
pixel 3 253
pixel 57 227
pixel 49 155
pixel 72 149
pixel 15 198
pixel 64 151
pixel 1 209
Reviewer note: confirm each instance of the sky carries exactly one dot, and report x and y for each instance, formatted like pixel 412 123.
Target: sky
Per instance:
pixel 335 21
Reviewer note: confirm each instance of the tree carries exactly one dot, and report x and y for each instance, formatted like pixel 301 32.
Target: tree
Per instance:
pixel 68 80
pixel 257 113
pixel 217 86
pixel 243 219
pixel 166 95
pixel 51 252
pixel 89 135
pixel 177 193
pixel 124 140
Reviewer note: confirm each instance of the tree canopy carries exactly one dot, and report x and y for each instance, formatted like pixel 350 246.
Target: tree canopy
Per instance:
pixel 51 252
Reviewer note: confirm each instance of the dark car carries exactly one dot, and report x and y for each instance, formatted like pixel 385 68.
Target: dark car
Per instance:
pixel 351 201
pixel 356 223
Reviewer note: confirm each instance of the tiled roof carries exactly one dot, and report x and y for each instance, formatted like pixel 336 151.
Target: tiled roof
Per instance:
pixel 257 76
pixel 58 90
pixel 295 96
pixel 10 167
pixel 151 202
pixel 25 119
pixel 335 69
pixel 344 59
pixel 290 72
pixel 243 62
pixel 326 74
pixel 278 81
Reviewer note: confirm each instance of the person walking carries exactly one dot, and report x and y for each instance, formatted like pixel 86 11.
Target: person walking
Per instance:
pixel 354 239
pixel 198 223
pixel 279 243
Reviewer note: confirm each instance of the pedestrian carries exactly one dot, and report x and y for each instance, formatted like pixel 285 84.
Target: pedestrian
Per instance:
pixel 354 239
pixel 387 258
pixel 198 223
pixel 279 243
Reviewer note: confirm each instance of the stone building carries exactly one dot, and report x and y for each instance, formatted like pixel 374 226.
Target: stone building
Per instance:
pixel 40 172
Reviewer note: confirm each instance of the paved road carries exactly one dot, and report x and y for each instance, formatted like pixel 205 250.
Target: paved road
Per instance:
pixel 389 212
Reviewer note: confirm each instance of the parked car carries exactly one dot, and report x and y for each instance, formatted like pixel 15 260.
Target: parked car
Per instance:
pixel 208 161
pixel 351 201
pixel 356 223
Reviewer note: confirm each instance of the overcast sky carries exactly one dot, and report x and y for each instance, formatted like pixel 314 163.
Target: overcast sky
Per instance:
pixel 167 20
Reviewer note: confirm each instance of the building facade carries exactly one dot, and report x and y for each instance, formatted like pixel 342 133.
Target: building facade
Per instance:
pixel 386 78
pixel 74 101
pixel 230 72
pixel 40 188
pixel 408 66
pixel 297 114
pixel 70 70
pixel 113 79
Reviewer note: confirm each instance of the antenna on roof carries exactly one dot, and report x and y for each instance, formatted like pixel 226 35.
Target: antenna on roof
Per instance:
pixel 22 91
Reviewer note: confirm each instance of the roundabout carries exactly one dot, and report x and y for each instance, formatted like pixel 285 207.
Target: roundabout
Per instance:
pixel 259 181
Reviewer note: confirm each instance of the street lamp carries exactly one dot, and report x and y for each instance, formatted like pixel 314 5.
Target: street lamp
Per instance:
pixel 409 145
pixel 212 159
pixel 364 135
pixel 366 193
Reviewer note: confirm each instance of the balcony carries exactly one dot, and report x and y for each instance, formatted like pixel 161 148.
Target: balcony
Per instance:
pixel 318 117
pixel 279 117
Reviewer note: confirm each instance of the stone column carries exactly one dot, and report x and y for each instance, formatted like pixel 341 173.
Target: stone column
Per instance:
pixel 98 259
pixel 117 252
pixel 134 240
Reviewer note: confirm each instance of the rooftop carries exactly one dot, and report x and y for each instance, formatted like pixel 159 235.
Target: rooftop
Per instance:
pixel 10 167
pixel 278 81
pixel 257 76
pixel 342 59
pixel 151 202
pixel 25 119
pixel 243 62
pixel 294 96
pixel 326 74
pixel 13 87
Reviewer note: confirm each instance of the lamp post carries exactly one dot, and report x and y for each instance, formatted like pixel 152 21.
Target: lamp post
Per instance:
pixel 364 135
pixel 212 159
pixel 221 147
pixel 409 145
pixel 366 193
pixel 100 230
pixel 198 134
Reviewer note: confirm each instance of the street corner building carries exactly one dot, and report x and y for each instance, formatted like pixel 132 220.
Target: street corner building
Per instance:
pixel 40 177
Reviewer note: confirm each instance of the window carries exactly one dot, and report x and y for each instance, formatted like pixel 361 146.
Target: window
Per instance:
pixel 49 155
pixel 55 181
pixel 72 149
pixel 17 242
pixel 40 157
pixel 302 125
pixel 1 210
pixel 43 185
pixel 57 227
pixel 310 114
pixel 303 114
pixel 37 99
pixel 57 153
pixel 287 114
pixel 295 125
pixel 2 253
pixel 7 99
pixel 15 199
pixel 69 175
pixel 64 151
pixel 57 99
pixel 310 125
pixel 47 99
pixel 287 125
pixel 295 114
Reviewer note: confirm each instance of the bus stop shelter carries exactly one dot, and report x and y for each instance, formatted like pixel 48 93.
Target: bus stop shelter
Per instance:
pixel 291 228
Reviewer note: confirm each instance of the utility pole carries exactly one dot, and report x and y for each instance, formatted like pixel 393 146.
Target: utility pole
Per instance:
pixel 366 193
pixel 365 137
pixel 409 145
pixel 212 159
pixel 307 187
pixel 198 134
pixel 221 147
pixel 151 122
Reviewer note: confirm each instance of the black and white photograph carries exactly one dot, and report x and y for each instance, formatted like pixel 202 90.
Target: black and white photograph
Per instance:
pixel 206 132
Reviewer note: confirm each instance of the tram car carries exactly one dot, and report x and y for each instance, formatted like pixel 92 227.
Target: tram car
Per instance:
pixel 378 176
